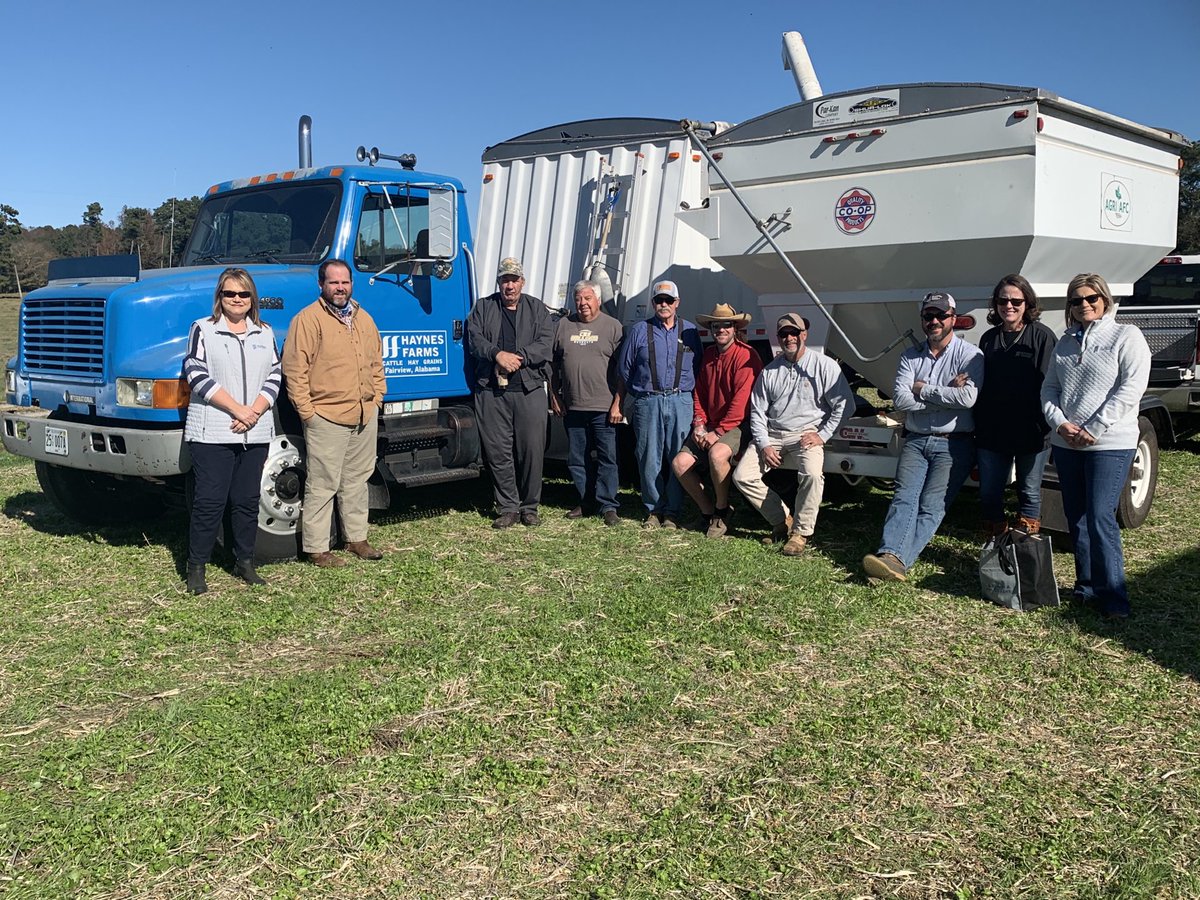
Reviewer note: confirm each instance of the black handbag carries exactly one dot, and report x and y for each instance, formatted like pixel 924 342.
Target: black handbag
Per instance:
pixel 1016 571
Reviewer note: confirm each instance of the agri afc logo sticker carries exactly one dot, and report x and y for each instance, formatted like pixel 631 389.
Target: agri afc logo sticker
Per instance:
pixel 854 211
pixel 1116 204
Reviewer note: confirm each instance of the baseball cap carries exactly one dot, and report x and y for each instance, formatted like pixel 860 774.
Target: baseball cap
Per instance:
pixel 510 265
pixel 938 300
pixel 791 320
pixel 664 289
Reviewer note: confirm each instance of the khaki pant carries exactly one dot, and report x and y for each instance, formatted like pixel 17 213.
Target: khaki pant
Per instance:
pixel 340 460
pixel 810 485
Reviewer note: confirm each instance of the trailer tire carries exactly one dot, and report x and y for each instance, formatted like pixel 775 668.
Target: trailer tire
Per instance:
pixel 1138 494
pixel 95 498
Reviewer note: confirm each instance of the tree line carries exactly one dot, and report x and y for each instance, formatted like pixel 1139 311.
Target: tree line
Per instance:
pixel 158 236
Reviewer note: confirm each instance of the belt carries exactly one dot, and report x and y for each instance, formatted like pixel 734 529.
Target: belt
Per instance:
pixel 946 434
pixel 670 393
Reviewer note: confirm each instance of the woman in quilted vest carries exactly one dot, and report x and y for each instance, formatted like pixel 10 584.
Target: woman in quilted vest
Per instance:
pixel 232 369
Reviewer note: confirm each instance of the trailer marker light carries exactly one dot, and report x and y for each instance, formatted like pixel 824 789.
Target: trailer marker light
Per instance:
pixel 695 157
pixel 853 135
pixel 336 171
pixel 876 132
pixel 673 155
pixel 1040 124
pixel 487 179
pixel 1021 114
pixel 828 140
pixel 272 177
pixel 966 323
pixel 718 156
pixel 255 180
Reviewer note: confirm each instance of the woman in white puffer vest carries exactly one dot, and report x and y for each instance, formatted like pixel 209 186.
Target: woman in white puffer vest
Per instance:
pixel 1091 397
pixel 232 369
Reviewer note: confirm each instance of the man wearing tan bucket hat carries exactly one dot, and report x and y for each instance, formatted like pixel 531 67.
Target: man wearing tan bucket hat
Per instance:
pixel 719 402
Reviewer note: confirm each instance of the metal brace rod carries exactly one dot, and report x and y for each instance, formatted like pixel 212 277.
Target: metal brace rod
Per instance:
pixel 690 128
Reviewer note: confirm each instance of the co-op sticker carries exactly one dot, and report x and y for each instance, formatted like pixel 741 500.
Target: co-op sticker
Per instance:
pixel 854 210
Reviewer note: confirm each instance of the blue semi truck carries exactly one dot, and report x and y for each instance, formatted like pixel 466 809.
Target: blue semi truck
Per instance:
pixel 95 394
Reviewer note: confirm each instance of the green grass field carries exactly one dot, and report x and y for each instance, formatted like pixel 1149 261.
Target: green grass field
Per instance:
pixel 575 711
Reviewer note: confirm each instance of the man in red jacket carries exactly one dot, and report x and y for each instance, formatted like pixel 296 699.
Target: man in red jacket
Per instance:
pixel 720 402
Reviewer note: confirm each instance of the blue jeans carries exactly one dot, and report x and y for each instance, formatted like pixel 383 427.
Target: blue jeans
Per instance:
pixel 588 431
pixel 931 470
pixel 1091 483
pixel 660 422
pixel 993 478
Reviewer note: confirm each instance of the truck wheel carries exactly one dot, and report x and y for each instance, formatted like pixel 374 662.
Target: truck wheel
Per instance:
pixel 94 498
pixel 1138 495
pixel 281 497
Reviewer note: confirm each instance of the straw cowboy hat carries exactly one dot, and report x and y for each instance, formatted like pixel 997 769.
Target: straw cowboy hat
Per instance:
pixel 723 312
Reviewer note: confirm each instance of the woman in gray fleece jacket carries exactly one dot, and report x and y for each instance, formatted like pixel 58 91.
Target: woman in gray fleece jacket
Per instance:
pixel 1091 398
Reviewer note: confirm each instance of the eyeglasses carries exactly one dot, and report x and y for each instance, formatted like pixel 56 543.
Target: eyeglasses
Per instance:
pixel 229 295
pixel 935 316
pixel 1010 301
pixel 663 301
pixel 721 326
pixel 1090 299
pixel 789 333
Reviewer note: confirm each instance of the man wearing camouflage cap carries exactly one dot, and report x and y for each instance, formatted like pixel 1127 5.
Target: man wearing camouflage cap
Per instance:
pixel 937 383
pixel 511 337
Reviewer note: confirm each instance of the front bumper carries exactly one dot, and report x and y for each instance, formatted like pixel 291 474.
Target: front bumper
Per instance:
pixel 134 452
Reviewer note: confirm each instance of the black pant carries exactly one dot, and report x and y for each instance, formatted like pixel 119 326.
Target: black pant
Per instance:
pixel 224 472
pixel 512 428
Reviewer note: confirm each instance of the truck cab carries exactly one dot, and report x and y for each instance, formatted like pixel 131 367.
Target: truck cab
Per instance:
pixel 95 394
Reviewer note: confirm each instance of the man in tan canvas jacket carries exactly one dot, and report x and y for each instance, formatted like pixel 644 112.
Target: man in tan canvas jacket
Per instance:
pixel 333 365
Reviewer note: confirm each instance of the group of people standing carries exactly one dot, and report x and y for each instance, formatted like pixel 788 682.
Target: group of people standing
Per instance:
pixel 704 420
pixel 1007 405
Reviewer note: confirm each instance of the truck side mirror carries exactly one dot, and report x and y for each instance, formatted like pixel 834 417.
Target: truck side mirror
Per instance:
pixel 442 224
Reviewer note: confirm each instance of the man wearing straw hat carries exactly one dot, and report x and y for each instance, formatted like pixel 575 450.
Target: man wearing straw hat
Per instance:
pixel 727 372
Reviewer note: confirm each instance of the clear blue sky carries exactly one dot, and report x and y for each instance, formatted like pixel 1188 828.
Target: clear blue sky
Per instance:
pixel 130 102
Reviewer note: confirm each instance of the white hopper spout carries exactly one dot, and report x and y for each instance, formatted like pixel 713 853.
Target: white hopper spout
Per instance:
pixel 796 58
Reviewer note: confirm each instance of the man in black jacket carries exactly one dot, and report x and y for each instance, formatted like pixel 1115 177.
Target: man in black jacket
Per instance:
pixel 511 339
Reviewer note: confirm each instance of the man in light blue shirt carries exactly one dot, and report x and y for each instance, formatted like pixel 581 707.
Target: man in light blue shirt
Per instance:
pixel 937 383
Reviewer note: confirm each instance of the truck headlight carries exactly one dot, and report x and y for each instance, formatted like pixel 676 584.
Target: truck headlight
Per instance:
pixel 10 381
pixel 153 393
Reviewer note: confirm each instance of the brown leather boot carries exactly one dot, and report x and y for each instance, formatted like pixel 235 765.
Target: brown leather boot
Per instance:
pixel 1028 525
pixel 326 560
pixel 363 550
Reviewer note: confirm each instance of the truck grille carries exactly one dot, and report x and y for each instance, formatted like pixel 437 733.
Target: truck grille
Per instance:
pixel 63 337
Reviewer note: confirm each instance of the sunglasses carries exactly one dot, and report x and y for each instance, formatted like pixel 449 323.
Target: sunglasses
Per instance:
pixel 721 326
pixel 789 333
pixel 1090 299
pixel 936 316
pixel 1010 301
pixel 229 295
pixel 663 301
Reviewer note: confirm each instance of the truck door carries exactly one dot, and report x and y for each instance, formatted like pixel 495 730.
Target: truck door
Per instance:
pixel 409 276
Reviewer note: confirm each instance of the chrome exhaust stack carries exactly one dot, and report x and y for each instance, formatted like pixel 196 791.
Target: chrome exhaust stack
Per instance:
pixel 305 138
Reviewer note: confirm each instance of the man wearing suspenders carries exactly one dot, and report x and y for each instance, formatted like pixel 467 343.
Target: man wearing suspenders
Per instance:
pixel 657 368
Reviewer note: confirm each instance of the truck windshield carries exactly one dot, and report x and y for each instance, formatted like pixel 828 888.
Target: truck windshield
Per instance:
pixel 290 223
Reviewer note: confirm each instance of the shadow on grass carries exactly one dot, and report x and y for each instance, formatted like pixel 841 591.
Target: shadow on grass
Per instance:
pixel 169 529
pixel 1165 624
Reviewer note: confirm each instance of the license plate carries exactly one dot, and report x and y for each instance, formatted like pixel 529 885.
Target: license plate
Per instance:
pixel 56 441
